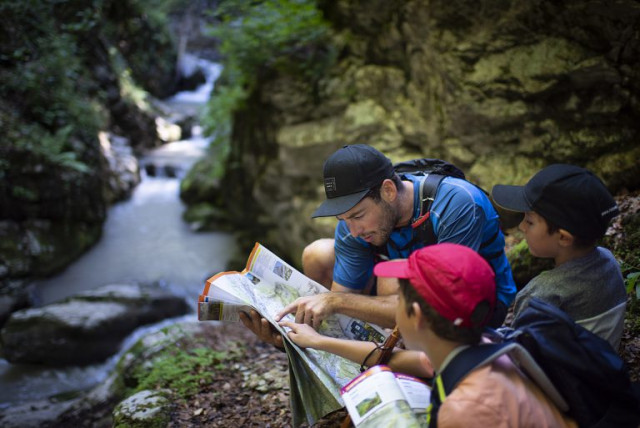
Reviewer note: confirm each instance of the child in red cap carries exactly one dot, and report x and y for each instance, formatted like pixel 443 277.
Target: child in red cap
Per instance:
pixel 447 295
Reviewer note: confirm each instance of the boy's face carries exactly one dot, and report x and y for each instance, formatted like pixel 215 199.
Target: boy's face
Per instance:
pixel 406 324
pixel 536 232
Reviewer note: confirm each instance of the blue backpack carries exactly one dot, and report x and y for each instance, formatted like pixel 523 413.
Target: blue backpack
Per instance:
pixel 578 370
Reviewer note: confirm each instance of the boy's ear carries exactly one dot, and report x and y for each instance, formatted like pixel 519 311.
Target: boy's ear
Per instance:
pixel 566 238
pixel 419 320
pixel 388 190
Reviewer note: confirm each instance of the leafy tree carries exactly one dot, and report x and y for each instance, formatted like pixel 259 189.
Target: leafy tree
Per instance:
pixel 258 38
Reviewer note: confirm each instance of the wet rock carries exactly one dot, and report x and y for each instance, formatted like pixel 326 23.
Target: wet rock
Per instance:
pixel 123 172
pixel 14 295
pixel 146 408
pixel 86 328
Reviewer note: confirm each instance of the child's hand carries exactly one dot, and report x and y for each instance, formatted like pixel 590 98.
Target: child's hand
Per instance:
pixel 302 335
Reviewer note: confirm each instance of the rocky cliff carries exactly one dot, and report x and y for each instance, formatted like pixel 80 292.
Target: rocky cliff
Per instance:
pixel 499 88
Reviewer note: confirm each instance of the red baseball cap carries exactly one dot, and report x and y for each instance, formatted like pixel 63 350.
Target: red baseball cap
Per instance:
pixel 451 278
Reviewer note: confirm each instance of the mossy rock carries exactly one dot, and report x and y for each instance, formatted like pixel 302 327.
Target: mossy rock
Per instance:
pixel 146 409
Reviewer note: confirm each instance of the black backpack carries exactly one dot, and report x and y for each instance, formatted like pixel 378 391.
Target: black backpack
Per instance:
pixel 435 171
pixel 578 370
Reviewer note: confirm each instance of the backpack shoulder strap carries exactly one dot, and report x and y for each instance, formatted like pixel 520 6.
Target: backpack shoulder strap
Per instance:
pixel 423 230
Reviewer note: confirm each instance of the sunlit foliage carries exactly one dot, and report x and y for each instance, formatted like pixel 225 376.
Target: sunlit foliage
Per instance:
pixel 258 38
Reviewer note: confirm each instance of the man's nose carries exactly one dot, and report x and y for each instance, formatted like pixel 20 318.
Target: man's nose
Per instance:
pixel 353 229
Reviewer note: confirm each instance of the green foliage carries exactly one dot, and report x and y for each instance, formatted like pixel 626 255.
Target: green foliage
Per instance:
pixel 183 371
pixel 257 38
pixel 53 148
pixel 53 99
pixel 44 85
pixel 631 282
pixel 633 309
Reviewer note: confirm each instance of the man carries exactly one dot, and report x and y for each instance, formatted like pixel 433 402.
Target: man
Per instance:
pixel 376 209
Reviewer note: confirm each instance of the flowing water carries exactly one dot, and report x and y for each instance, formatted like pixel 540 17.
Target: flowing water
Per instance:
pixel 144 239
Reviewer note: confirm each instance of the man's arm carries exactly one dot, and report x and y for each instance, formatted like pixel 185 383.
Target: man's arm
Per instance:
pixel 312 310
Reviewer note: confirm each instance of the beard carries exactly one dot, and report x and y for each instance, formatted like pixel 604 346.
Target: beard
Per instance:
pixel 388 222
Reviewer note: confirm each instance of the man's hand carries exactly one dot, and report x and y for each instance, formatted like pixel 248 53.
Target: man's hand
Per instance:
pixel 312 310
pixel 261 328
pixel 301 334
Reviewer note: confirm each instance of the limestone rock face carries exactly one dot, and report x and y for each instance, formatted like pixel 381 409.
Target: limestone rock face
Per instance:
pixel 86 328
pixel 499 88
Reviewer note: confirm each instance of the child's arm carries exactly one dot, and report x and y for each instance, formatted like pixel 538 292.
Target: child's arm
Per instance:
pixel 410 362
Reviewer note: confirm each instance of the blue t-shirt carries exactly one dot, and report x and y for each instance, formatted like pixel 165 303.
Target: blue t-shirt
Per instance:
pixel 461 213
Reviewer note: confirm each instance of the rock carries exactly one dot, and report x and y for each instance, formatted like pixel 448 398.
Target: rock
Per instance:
pixel 91 409
pixel 149 409
pixel 123 172
pixel 86 328
pixel 15 295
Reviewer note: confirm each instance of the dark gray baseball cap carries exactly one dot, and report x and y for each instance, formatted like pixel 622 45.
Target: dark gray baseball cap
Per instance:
pixel 569 196
pixel 349 174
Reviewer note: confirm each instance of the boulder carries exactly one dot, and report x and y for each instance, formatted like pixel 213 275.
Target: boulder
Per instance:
pixel 86 328
pixel 146 408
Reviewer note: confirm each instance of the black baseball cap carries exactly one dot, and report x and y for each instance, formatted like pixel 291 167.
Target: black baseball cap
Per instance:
pixel 571 197
pixel 349 174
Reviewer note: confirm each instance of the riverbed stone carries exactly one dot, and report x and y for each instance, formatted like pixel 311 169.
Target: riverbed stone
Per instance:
pixel 88 327
pixel 149 409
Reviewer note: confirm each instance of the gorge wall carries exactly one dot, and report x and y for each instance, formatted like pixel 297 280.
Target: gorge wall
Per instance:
pixel 499 88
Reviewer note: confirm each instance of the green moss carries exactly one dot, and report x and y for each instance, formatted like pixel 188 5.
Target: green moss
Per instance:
pixel 182 371
pixel 174 358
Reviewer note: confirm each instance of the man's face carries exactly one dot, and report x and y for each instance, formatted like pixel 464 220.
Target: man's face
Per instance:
pixel 541 243
pixel 371 220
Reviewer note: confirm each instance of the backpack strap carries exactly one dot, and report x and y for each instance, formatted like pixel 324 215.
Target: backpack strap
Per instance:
pixel 423 229
pixel 474 357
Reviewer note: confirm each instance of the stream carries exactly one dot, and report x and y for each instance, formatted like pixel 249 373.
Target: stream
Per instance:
pixel 144 240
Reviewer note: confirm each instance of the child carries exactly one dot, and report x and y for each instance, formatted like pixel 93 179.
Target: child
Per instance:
pixel 447 295
pixel 567 209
